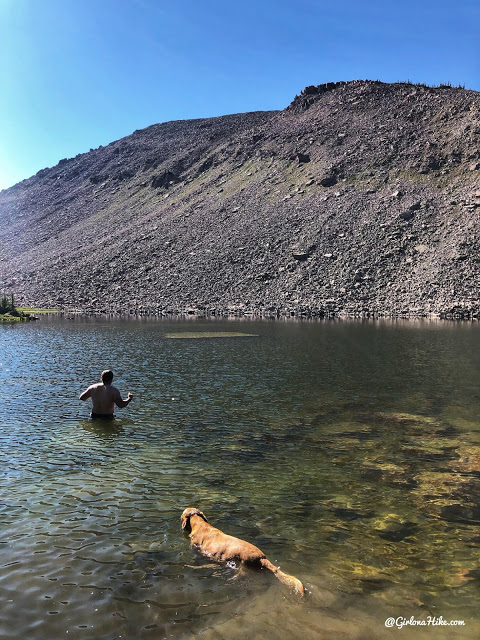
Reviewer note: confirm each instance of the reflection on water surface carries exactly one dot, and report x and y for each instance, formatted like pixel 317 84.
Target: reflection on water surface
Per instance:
pixel 348 452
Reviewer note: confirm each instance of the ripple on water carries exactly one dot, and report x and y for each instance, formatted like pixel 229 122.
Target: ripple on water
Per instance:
pixel 285 441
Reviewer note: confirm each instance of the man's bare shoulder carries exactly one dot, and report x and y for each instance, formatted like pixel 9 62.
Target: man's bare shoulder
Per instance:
pixel 113 390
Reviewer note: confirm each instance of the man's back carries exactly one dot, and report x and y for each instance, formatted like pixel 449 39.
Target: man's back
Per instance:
pixel 103 398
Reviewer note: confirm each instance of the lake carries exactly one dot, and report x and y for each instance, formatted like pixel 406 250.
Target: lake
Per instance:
pixel 348 451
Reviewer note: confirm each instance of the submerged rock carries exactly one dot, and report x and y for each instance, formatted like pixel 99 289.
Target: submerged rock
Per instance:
pixel 345 509
pixel 388 472
pixel 407 419
pixel 394 528
pixel 461 512
pixel 364 577
pixel 468 460
pixel 454 497
pixel 193 335
pixel 427 451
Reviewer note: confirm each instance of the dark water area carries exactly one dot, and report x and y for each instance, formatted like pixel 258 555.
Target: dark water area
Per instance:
pixel 349 452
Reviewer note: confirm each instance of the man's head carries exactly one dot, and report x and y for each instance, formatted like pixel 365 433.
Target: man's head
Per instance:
pixel 107 376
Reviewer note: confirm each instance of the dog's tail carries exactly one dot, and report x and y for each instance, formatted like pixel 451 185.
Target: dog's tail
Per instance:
pixel 291 582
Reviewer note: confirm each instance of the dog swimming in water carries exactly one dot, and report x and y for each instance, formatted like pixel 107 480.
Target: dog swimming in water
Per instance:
pixel 219 546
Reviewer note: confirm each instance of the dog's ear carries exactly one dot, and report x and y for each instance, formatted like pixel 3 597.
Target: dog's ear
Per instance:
pixel 185 519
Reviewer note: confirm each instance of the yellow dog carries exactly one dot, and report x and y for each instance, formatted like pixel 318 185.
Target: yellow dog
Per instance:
pixel 219 546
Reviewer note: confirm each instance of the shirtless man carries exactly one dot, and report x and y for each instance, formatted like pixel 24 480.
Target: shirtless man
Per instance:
pixel 104 396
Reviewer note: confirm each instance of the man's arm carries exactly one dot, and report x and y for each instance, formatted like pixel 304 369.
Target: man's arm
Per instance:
pixel 120 402
pixel 86 394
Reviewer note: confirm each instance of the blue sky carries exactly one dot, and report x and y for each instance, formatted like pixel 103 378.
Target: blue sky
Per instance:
pixel 75 74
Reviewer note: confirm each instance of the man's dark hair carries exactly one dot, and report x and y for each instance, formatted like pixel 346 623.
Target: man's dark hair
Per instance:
pixel 107 376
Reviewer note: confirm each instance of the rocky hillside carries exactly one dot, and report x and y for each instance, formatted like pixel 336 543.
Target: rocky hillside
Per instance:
pixel 358 198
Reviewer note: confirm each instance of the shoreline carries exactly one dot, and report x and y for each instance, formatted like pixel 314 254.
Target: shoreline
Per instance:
pixel 262 314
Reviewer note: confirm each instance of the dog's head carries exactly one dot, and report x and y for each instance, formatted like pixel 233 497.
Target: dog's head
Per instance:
pixel 187 514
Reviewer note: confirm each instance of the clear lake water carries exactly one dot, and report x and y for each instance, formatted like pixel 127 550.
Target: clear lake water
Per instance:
pixel 348 451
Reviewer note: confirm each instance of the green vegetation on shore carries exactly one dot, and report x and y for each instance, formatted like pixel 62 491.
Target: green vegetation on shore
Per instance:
pixel 10 313
pixel 37 310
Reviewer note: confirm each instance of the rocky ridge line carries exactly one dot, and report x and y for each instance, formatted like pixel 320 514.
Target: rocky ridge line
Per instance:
pixel 360 198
